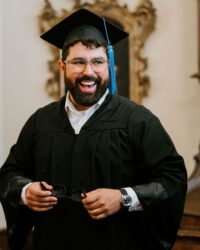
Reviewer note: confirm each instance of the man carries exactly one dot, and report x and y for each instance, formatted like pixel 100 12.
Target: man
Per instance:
pixel 95 170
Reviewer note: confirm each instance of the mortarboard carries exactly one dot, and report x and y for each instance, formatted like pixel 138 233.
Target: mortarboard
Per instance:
pixel 85 24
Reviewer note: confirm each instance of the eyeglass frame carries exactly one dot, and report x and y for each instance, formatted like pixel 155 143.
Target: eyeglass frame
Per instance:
pixel 60 191
pixel 86 62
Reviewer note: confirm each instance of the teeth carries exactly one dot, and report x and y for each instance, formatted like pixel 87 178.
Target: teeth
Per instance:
pixel 87 84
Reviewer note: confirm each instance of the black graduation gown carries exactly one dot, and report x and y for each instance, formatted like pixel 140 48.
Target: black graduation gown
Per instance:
pixel 122 145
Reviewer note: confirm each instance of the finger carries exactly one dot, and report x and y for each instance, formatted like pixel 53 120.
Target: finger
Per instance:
pixel 99 216
pixel 91 206
pixel 35 190
pixel 39 195
pixel 38 191
pixel 42 199
pixel 89 199
pixel 95 212
pixel 83 195
pixel 46 204
pixel 40 209
pixel 40 204
pixel 96 203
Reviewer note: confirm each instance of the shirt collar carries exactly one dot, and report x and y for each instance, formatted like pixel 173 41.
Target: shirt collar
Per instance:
pixel 69 105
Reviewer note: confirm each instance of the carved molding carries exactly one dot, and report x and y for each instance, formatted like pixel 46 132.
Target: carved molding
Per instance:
pixel 139 24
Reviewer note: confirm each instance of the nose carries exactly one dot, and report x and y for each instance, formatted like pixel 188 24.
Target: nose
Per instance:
pixel 88 70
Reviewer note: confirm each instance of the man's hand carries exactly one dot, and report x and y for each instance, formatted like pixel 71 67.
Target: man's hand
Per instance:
pixel 38 199
pixel 102 202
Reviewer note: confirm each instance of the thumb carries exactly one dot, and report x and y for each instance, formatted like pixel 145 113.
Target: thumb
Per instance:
pixel 45 186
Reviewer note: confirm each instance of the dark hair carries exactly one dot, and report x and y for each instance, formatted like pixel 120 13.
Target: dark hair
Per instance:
pixel 86 42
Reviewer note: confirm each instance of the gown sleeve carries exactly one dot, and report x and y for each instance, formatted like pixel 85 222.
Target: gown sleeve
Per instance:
pixel 162 178
pixel 16 172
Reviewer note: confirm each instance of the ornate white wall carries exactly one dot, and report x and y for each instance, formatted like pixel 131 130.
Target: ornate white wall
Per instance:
pixel 173 57
pixel 172 53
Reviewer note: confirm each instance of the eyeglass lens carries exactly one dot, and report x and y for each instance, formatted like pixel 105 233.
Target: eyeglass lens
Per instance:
pixel 78 65
pixel 59 191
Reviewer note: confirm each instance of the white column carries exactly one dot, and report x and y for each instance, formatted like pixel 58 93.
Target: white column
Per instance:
pixel 2 219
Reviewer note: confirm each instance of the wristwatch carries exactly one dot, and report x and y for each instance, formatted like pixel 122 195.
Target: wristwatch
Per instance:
pixel 126 199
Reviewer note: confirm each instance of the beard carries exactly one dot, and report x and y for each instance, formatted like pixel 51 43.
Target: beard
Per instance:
pixel 86 99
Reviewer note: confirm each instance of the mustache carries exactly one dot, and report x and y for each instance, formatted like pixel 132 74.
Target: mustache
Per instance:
pixel 97 80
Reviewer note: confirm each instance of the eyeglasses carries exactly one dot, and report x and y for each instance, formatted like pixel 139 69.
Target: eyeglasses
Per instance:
pixel 59 191
pixel 78 65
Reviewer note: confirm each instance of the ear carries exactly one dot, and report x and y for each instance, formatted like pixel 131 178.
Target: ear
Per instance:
pixel 61 65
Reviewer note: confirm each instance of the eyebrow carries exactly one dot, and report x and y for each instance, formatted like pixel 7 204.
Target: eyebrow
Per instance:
pixel 82 58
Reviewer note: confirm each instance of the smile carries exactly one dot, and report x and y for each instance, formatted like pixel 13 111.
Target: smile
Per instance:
pixel 87 85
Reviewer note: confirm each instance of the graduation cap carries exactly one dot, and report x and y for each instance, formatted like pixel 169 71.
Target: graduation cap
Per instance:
pixel 84 24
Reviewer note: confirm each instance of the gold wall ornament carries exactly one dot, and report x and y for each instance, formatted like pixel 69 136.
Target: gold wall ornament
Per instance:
pixel 139 24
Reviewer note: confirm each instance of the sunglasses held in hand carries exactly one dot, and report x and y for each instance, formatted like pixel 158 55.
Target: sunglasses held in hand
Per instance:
pixel 59 191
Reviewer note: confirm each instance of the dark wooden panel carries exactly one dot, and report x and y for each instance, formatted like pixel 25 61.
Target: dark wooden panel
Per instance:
pixel 186 243
pixel 4 243
pixel 189 232
pixel 3 240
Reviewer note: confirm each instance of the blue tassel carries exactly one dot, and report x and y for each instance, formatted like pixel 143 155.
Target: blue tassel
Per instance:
pixel 113 85
pixel 110 51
